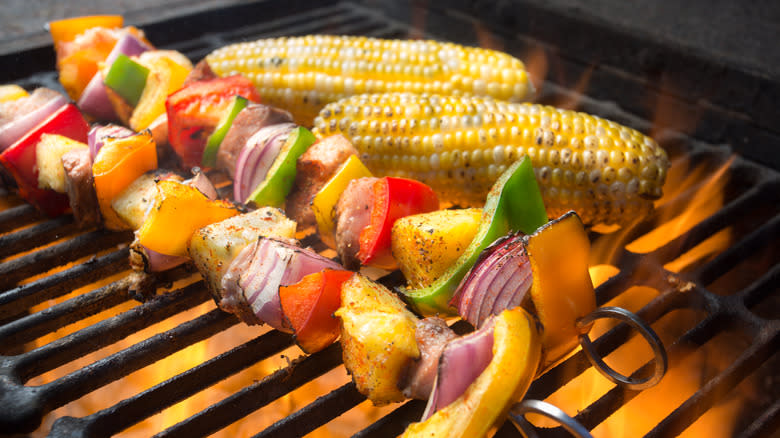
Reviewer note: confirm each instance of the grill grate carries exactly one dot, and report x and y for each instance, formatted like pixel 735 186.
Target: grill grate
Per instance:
pixel 734 291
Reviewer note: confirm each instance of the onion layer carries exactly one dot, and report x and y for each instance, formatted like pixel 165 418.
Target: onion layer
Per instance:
pixel 13 131
pixel 499 280
pixel 100 132
pixel 94 100
pixel 158 262
pixel 256 158
pixel 263 267
pixel 461 362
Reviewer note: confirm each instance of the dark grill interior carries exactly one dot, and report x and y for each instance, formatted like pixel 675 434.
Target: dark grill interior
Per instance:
pixel 725 300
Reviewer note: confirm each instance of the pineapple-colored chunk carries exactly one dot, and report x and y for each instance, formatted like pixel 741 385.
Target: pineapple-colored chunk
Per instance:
pixel 377 337
pixel 48 158
pixel 426 245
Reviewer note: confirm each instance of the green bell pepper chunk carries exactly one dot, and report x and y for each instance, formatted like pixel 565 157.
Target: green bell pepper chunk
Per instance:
pixel 215 139
pixel 281 176
pixel 127 78
pixel 513 204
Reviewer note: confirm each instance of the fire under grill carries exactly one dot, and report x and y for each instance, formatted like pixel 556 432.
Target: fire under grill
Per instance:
pixel 702 270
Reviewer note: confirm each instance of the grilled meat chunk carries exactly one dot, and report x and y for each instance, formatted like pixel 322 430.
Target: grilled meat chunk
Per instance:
pixel 314 168
pixel 352 215
pixel 79 187
pixel 432 335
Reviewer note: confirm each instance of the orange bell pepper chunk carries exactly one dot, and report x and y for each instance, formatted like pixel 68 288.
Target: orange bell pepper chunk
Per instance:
pixel 309 306
pixel 178 212
pixel 118 163
pixel 78 68
pixel 562 290
pixel 66 30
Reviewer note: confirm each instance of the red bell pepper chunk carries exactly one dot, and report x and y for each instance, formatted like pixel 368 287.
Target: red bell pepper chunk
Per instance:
pixel 20 158
pixel 195 110
pixel 309 306
pixel 394 198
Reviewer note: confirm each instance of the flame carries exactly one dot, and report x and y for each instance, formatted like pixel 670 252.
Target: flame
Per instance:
pixel 693 192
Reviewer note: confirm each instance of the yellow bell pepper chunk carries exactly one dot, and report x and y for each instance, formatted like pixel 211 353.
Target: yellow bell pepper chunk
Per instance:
pixel 12 92
pixel 118 163
pixel 324 202
pixel 166 76
pixel 516 355
pixel 67 30
pixel 178 212
pixel 562 290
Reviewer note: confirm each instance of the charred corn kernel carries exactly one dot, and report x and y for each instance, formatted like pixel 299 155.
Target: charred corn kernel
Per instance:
pixel 606 172
pixel 302 74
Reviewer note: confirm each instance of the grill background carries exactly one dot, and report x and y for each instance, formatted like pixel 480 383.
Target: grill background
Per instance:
pixel 628 77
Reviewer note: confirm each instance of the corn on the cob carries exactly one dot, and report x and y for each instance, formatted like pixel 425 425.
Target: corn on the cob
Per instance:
pixel 302 74
pixel 459 145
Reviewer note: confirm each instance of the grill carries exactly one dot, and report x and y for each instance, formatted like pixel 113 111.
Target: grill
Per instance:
pixel 65 292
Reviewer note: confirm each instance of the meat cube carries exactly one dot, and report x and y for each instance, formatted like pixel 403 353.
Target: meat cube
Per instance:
pixel 353 213
pixel 432 336
pixel 314 168
pixel 80 188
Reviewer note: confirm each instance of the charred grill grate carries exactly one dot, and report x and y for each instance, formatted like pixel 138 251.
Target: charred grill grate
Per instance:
pixel 733 291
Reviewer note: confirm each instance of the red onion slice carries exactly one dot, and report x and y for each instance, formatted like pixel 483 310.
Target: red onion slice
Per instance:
pixel 256 158
pixel 461 362
pixel 94 100
pixel 515 289
pixel 97 134
pixel 158 262
pixel 13 131
pixel 499 280
pixel 266 265
pixel 204 185
pixel 262 293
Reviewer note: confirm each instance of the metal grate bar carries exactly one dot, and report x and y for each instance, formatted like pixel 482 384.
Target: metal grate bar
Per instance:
pixel 316 414
pixel 18 216
pixel 132 410
pixel 32 326
pixel 133 358
pixel 18 300
pixel 761 288
pixel 13 271
pixel 767 234
pixel 764 425
pixel 723 218
pixel 394 423
pixel 716 388
pixel 255 396
pixel 108 331
pixel 36 235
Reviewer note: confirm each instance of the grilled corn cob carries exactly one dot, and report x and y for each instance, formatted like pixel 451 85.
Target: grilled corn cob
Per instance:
pixel 459 145
pixel 302 74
